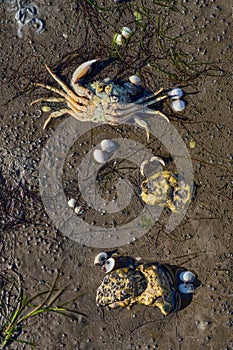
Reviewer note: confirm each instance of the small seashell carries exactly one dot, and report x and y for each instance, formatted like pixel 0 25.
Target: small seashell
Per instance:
pixel 126 32
pixel 109 265
pixel 135 79
pixel 118 39
pixel 175 94
pixel 109 145
pixel 178 106
pixel 186 288
pixel 101 156
pixel 78 210
pixel 72 202
pixel 187 276
pixel 100 259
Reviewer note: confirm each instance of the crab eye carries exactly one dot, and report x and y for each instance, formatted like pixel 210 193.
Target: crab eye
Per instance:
pixel 108 89
pixel 100 259
pixel 109 265
pixel 99 87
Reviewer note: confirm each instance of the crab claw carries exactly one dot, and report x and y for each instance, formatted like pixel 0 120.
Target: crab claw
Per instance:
pixel 82 70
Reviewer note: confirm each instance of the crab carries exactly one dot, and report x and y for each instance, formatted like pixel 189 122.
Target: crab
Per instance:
pixel 149 284
pixel 165 188
pixel 102 101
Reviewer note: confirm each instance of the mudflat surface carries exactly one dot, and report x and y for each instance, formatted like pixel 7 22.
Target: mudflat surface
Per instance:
pixel 187 44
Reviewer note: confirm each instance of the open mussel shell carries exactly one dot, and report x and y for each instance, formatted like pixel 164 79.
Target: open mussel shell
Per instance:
pixel 109 265
pixel 109 146
pixel 100 259
pixel 186 288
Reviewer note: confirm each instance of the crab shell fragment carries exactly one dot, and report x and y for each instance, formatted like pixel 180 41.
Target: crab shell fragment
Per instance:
pixel 166 189
pixel 149 284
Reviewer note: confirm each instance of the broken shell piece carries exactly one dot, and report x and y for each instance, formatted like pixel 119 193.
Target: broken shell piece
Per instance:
pixel 109 145
pixel 186 288
pixel 187 276
pixel 118 39
pixel 72 202
pixel 178 106
pixel 175 94
pixel 101 156
pixel 100 259
pixel 135 79
pixel 126 32
pixel 109 265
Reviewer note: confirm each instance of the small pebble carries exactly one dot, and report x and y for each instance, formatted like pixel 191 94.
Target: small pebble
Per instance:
pixel 192 144
pixel 178 106
pixel 78 210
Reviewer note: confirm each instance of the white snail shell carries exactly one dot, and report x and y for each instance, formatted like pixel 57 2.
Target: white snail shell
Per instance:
pixel 109 146
pixel 135 79
pixel 109 265
pixel 101 156
pixel 178 105
pixel 175 94
pixel 187 276
pixel 186 288
pixel 100 259
pixel 126 32
pixel 72 203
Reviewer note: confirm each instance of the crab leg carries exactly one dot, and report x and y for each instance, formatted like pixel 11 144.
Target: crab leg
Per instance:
pixel 57 114
pixel 61 93
pixel 143 100
pixel 66 89
pixel 48 99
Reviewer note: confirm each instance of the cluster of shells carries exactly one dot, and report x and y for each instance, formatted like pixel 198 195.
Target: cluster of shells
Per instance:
pixel 109 263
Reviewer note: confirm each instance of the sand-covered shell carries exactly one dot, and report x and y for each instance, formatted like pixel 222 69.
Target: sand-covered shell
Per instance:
pixel 178 105
pixel 126 32
pixel 101 156
pixel 175 94
pixel 109 145
pixel 135 79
